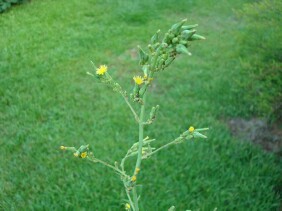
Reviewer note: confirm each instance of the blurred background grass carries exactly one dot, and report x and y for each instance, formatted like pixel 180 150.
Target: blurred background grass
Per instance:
pixel 47 100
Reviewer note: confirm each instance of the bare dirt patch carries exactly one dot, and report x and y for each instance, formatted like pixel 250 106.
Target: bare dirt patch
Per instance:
pixel 259 132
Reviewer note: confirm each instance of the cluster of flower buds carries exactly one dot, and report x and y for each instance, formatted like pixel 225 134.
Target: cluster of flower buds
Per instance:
pixel 162 53
pixel 81 152
pixel 176 41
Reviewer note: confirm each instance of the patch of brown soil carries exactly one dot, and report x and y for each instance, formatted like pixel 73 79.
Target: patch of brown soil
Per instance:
pixel 258 132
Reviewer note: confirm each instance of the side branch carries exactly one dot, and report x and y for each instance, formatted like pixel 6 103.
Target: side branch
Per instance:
pixel 131 108
pixel 96 160
pixel 175 141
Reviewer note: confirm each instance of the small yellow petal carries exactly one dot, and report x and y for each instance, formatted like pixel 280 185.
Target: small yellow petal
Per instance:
pixel 76 154
pixel 137 170
pixel 133 178
pixel 191 129
pixel 62 147
pixel 127 206
pixel 83 155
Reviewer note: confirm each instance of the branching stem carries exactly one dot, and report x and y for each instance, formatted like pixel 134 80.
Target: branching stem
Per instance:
pixel 175 141
pixel 131 108
pixel 96 160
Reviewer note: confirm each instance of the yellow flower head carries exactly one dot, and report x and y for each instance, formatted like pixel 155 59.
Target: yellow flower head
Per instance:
pixel 137 170
pixel 101 70
pixel 63 148
pixel 127 206
pixel 138 80
pixel 191 129
pixel 76 154
pixel 133 178
pixel 83 155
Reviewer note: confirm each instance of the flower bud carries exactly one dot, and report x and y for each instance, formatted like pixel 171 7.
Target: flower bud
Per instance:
pixel 155 37
pixel 183 42
pixel 133 178
pixel 63 148
pixel 143 57
pixel 145 69
pixel 166 38
pixel 172 208
pixel 160 62
pixel 164 45
pixel 153 112
pixel 76 154
pixel 182 49
pixel 127 206
pixel 165 56
pixel 156 45
pixel 83 148
pixel 198 135
pixel 143 90
pixel 137 170
pixel 188 27
pixel 196 37
pixel 136 90
pixel 169 61
pixel 151 49
pixel 175 29
pixel 171 36
pixel 175 40
pixel 186 34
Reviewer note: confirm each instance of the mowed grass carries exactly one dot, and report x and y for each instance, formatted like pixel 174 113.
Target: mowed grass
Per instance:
pixel 48 100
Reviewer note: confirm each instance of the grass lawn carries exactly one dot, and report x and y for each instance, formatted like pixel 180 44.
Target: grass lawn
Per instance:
pixel 48 100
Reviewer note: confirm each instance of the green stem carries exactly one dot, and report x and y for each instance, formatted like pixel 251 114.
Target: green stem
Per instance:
pixel 141 135
pixel 95 160
pixel 140 145
pixel 128 196
pixel 175 141
pixel 135 198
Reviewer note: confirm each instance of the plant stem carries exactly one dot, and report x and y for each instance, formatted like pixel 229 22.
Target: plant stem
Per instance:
pixel 141 135
pixel 140 145
pixel 128 196
pixel 108 165
pixel 135 199
pixel 131 108
pixel 175 141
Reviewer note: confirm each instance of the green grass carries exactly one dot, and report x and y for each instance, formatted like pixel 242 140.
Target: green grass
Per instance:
pixel 47 100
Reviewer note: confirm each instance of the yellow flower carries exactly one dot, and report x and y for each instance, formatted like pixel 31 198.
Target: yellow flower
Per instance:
pixel 127 206
pixel 138 80
pixel 191 129
pixel 133 178
pixel 101 70
pixel 63 148
pixel 137 170
pixel 83 155
pixel 76 154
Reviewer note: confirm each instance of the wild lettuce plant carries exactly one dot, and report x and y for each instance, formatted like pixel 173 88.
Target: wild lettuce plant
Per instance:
pixel 161 54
